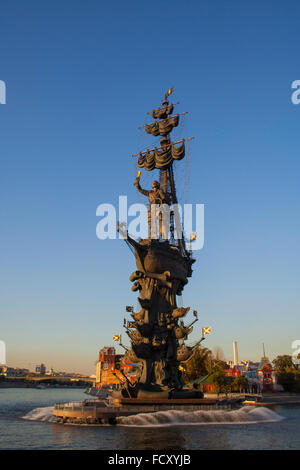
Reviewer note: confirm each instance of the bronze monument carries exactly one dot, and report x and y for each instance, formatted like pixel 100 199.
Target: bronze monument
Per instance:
pixel 164 264
pixel 157 331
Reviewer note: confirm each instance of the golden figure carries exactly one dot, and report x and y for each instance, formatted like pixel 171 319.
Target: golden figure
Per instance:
pixel 158 204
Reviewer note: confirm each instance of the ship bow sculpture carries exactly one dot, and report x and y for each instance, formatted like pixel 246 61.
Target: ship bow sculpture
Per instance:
pixel 157 331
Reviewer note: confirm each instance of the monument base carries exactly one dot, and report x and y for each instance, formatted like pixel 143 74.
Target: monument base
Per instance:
pixel 144 393
pixel 99 412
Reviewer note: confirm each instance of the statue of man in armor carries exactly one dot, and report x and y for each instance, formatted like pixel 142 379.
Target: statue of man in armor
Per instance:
pixel 158 205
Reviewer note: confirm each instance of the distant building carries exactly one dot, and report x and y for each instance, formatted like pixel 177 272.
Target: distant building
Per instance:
pixel 267 375
pixel 13 372
pixel 235 353
pixel 261 377
pixel 41 369
pixel 109 366
pixel 21 372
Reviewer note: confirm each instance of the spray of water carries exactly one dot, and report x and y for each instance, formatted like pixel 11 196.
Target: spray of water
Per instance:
pixel 41 414
pixel 172 417
pixel 245 415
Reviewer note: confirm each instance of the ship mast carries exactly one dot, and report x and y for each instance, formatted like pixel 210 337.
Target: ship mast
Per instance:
pixel 162 158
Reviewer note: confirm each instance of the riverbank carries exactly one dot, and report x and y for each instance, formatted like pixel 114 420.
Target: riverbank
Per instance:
pixel 37 386
pixel 276 399
pixel 15 385
pixel 264 399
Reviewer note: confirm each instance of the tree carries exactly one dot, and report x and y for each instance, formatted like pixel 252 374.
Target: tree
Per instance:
pixel 198 365
pixel 218 354
pixel 287 380
pixel 287 373
pixel 240 384
pixel 218 375
pixel 283 363
pixel 218 378
pixel 218 364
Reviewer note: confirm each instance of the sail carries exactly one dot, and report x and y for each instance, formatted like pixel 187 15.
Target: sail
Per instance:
pixel 163 127
pixel 161 159
pixel 162 113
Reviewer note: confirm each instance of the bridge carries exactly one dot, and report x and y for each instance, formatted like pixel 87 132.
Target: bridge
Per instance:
pixel 37 379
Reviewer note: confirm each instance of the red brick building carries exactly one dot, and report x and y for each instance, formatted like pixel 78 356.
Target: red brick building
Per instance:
pixel 109 366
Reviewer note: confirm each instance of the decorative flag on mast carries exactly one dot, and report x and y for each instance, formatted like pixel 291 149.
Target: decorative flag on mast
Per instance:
pixel 170 90
pixel 206 330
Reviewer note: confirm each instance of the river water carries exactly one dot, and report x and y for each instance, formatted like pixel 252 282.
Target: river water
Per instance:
pixel 26 422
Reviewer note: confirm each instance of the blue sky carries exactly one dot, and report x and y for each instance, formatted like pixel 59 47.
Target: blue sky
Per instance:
pixel 80 78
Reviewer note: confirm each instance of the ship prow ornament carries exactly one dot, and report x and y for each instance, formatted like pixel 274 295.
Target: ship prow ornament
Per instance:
pixel 164 265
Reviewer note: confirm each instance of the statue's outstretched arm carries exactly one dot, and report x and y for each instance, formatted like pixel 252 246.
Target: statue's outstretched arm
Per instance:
pixel 138 187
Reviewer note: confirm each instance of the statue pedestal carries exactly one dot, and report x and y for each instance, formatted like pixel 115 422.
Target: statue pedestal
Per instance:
pixel 164 396
pixel 100 412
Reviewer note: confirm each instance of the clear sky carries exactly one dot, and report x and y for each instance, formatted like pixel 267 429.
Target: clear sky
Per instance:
pixel 80 78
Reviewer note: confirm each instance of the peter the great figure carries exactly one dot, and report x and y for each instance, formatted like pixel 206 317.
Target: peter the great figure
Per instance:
pixel 157 208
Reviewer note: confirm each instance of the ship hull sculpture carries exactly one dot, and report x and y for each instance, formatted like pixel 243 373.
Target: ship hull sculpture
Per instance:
pixel 157 331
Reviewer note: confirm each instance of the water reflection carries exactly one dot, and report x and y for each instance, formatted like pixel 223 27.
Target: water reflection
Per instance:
pixel 83 437
pixel 163 438
pixel 119 438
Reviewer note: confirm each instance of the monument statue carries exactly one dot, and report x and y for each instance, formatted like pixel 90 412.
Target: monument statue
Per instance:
pixel 164 264
pixel 158 331
pixel 158 201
